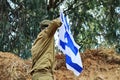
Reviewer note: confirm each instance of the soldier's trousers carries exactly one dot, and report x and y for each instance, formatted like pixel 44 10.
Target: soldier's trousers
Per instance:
pixel 42 76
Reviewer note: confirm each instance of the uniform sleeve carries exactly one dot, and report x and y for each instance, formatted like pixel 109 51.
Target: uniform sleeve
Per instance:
pixel 51 29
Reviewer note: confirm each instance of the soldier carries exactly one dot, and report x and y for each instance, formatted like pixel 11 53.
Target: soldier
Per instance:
pixel 43 56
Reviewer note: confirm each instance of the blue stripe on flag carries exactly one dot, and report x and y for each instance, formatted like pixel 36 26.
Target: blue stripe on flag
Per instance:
pixel 61 16
pixel 64 20
pixel 73 65
pixel 66 23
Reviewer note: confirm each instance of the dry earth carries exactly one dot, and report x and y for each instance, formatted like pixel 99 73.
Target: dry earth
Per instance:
pixel 98 64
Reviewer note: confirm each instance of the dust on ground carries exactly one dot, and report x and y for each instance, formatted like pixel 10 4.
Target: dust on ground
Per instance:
pixel 98 64
pixel 13 68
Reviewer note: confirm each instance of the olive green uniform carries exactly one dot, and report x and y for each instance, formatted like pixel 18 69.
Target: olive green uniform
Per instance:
pixel 43 52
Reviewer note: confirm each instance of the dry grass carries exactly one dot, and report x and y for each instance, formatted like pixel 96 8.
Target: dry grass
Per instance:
pixel 12 67
pixel 99 64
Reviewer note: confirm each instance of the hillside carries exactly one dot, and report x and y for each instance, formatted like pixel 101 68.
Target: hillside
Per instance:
pixel 99 64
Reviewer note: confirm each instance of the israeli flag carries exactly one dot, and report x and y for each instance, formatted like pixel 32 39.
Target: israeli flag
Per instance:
pixel 68 46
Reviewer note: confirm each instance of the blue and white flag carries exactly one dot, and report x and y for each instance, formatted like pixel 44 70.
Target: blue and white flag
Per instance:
pixel 68 46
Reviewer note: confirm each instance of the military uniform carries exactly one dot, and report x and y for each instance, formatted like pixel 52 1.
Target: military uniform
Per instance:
pixel 43 51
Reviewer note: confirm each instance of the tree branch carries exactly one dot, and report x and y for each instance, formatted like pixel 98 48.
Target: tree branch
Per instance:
pixel 71 6
pixel 53 4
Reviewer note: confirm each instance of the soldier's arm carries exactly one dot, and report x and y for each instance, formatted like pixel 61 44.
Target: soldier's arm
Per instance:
pixel 51 29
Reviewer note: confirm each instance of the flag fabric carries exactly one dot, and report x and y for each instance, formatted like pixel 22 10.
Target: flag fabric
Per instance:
pixel 69 47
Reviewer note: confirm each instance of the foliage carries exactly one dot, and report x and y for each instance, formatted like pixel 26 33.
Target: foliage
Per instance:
pixel 94 21
pixel 91 21
pixel 22 26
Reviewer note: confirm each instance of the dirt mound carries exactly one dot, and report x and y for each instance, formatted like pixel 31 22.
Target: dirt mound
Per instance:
pixel 13 68
pixel 99 64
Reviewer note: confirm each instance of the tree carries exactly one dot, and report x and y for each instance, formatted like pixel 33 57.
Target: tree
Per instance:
pixel 94 21
pixel 20 23
pixel 91 21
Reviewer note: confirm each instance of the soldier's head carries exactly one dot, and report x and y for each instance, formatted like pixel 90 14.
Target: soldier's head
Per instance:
pixel 44 24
